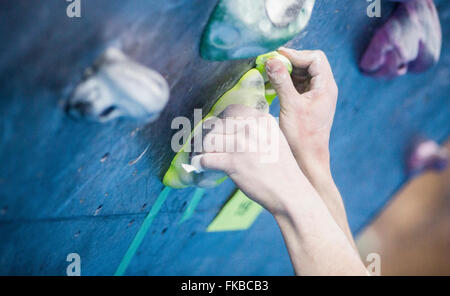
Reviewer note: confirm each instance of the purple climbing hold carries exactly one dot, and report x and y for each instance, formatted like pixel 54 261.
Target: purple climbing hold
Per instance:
pixel 409 41
pixel 426 155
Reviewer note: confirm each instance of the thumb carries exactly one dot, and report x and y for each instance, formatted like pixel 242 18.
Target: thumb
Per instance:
pixel 215 161
pixel 281 80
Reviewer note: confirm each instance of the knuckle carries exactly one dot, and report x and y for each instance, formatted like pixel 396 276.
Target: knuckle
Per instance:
pixel 332 87
pixel 295 53
pixel 230 110
pixel 205 160
pixel 233 163
pixel 335 88
pixel 235 110
pixel 212 123
pixel 320 92
pixel 319 54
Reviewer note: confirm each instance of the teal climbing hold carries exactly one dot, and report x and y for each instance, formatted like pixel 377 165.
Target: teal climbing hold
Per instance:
pixel 139 237
pixel 240 29
pixel 195 200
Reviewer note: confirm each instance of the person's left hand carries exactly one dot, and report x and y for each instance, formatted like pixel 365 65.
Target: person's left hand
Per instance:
pixel 249 146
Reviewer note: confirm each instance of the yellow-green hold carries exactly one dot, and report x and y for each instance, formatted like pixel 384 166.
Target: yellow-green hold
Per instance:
pixel 262 60
pixel 252 91
pixel 261 67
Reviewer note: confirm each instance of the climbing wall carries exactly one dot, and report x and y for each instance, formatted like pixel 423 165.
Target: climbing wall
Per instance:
pixel 72 186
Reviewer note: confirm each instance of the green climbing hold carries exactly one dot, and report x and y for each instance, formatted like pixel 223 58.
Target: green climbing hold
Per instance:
pixel 261 67
pixel 262 60
pixel 250 91
pixel 239 213
pixel 240 29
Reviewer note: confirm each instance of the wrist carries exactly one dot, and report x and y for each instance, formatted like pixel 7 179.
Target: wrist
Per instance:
pixel 321 178
pixel 318 172
pixel 316 166
pixel 303 213
pixel 296 197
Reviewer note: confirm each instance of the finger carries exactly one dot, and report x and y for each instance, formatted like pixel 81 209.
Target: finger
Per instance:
pixel 239 142
pixel 215 125
pixel 280 80
pixel 240 117
pixel 237 110
pixel 228 125
pixel 315 61
pixel 213 143
pixel 216 161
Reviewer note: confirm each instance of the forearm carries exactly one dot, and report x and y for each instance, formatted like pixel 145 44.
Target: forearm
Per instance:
pixel 318 172
pixel 316 244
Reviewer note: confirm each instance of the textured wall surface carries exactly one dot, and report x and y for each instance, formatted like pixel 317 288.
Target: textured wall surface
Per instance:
pixel 67 185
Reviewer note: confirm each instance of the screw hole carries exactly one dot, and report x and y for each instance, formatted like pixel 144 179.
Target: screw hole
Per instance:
pixel 98 209
pixel 104 157
pixel 107 111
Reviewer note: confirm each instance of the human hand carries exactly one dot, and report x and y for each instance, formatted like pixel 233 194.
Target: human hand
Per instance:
pixel 248 145
pixel 308 102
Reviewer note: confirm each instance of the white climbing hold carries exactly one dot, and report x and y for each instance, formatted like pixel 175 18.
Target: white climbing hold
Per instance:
pixel 117 86
pixel 284 12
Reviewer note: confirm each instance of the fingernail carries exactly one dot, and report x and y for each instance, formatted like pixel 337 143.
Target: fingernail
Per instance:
pixel 285 49
pixel 273 66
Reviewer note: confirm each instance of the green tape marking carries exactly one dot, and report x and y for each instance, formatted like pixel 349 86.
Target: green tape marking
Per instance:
pixel 197 196
pixel 239 213
pixel 142 231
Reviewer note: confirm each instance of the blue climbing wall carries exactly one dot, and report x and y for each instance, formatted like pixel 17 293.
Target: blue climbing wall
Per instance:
pixel 68 186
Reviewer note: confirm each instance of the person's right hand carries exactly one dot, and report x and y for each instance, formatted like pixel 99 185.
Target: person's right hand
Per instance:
pixel 269 175
pixel 308 102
